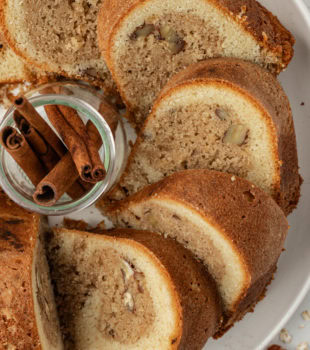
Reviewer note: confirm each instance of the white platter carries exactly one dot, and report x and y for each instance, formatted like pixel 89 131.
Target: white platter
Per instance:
pixel 292 280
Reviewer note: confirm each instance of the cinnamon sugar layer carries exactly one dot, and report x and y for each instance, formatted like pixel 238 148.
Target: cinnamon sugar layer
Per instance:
pixel 103 287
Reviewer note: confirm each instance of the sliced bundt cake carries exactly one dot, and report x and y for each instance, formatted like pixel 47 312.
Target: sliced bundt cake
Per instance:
pixel 233 227
pixel 220 114
pixel 56 36
pixel 28 318
pixel 145 42
pixel 132 290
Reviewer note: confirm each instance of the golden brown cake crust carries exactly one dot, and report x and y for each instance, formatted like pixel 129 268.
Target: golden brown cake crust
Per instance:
pixel 15 74
pixel 201 303
pixel 107 85
pixel 252 17
pixel 264 26
pixel 176 333
pixel 262 88
pixel 237 207
pixel 18 230
pixel 250 218
pixel 196 295
pixel 254 294
pixel 9 39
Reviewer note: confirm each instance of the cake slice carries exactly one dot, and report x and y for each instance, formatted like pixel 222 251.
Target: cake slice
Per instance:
pixel 145 42
pixel 12 67
pixel 133 290
pixel 232 226
pixel 56 36
pixel 221 114
pixel 28 318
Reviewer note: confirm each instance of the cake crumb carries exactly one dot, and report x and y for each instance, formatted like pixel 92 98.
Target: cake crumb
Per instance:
pixel 302 103
pixel 301 326
pixel 306 315
pixel 71 224
pixel 265 36
pixel 285 337
pixel 303 346
pixel 100 228
pixel 275 347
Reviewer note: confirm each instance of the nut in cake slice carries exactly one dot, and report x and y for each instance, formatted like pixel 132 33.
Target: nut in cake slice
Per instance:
pixel 221 114
pixel 130 290
pixel 146 42
pixel 233 227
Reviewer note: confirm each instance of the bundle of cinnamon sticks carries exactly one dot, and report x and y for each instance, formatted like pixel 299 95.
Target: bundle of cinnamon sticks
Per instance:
pixel 54 166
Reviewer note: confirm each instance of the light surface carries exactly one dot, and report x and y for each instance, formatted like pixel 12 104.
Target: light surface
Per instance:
pixel 298 328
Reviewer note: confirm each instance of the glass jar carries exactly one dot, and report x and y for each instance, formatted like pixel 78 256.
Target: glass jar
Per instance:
pixel 113 152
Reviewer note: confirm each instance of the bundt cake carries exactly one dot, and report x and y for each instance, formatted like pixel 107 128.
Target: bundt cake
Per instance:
pixel 56 36
pixel 130 290
pixel 221 114
pixel 145 42
pixel 28 318
pixel 233 227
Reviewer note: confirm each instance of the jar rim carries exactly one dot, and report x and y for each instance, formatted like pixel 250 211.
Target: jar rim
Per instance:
pixel 108 143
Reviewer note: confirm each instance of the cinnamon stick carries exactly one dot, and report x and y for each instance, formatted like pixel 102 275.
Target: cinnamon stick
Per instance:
pixel 56 183
pixel 19 149
pixel 72 117
pixel 93 133
pixel 110 114
pixel 76 146
pixel 35 120
pixel 43 150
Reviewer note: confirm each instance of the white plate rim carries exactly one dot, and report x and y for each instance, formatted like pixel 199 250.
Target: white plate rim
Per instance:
pixel 305 13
